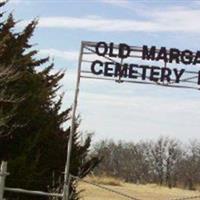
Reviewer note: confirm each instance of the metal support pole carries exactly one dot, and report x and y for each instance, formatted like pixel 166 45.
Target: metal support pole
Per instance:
pixel 3 174
pixel 72 130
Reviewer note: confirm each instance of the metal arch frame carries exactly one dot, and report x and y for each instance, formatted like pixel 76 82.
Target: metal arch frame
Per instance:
pixel 85 74
pixel 81 74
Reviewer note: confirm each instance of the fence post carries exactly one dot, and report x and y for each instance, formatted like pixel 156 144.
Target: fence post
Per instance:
pixel 3 174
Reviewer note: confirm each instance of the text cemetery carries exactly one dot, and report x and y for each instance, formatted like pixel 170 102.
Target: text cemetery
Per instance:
pixel 142 71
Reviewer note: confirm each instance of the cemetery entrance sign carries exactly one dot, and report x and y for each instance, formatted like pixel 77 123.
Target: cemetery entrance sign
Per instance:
pixel 142 65
pixel 146 64
pixel 143 72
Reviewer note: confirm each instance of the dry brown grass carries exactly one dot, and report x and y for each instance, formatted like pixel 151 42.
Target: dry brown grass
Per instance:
pixel 104 180
pixel 144 192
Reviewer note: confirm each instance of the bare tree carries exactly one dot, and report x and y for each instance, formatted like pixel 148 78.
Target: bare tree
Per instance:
pixel 165 161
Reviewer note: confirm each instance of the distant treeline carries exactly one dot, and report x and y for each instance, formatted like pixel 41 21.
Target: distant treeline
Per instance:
pixel 165 161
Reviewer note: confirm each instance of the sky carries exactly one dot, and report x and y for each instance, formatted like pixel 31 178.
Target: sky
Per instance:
pixel 128 112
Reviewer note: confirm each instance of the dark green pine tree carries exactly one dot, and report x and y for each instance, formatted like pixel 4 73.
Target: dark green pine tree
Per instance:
pixel 32 137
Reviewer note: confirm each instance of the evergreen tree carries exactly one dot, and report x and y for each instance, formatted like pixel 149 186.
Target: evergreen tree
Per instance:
pixel 32 137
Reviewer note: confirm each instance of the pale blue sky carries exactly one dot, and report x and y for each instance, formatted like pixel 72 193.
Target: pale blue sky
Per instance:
pixel 119 111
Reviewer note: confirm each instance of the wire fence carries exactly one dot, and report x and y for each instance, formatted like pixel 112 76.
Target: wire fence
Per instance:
pixel 105 188
pixel 3 188
pixel 126 196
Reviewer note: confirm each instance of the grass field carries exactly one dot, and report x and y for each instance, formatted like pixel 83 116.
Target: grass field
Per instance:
pixel 143 192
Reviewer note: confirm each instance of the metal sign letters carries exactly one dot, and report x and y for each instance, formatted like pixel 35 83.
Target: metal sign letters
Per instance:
pixel 145 65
